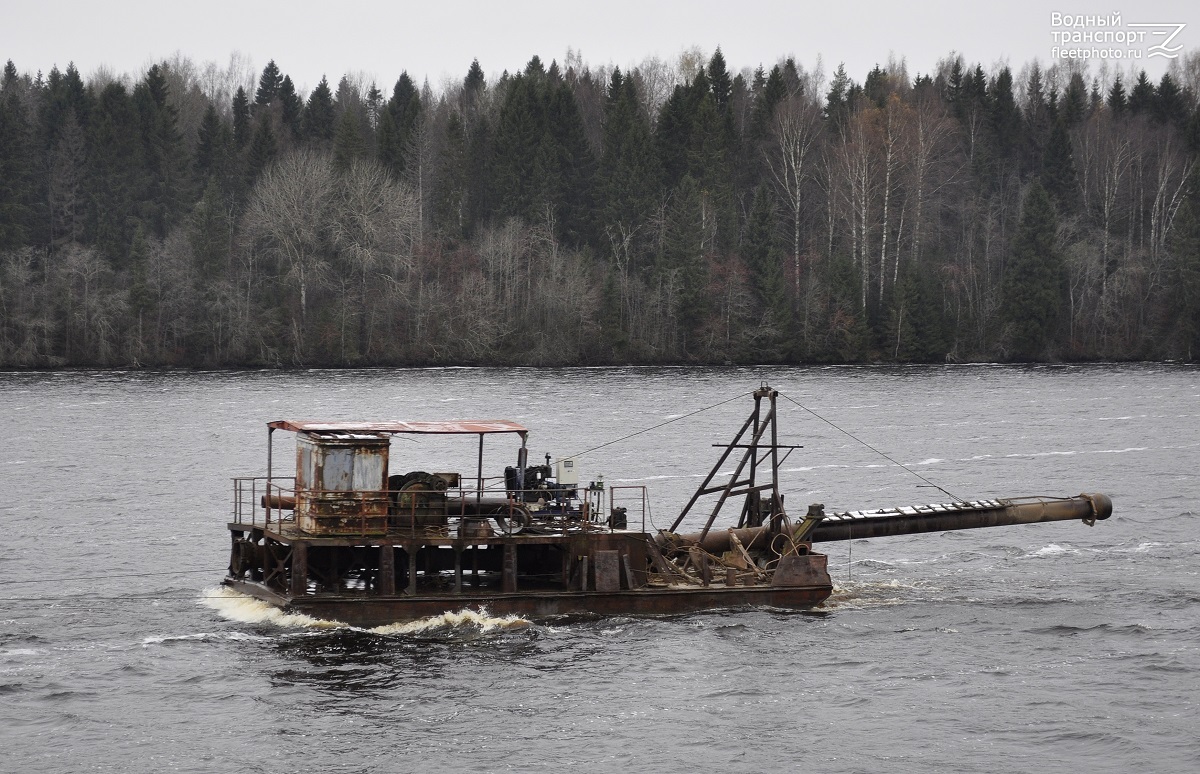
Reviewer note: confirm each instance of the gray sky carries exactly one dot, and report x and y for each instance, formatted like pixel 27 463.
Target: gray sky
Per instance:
pixel 438 40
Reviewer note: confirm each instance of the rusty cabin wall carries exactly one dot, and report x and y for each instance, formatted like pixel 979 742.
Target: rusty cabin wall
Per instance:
pixel 341 483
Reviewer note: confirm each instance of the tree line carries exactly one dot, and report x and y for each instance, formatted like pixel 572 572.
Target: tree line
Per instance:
pixel 567 214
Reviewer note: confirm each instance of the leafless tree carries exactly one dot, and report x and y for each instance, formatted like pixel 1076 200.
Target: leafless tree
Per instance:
pixel 796 129
pixel 287 219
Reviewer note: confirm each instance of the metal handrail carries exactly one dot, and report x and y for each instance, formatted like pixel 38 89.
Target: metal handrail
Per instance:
pixel 259 500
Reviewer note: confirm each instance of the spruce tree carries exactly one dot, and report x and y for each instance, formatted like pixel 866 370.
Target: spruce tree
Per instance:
pixel 683 261
pixel 388 147
pixel 404 111
pixel 291 107
pixel 16 181
pixel 349 145
pixel 1034 287
pixel 450 187
pixel 764 258
pixel 520 128
pixel 1058 172
pixel 575 167
pixel 269 84
pixel 837 101
pixel 1141 98
pixel 1117 102
pixel 167 183
pixel 263 149
pixel 115 173
pixel 474 83
pixel 876 87
pixel 1168 106
pixel 1075 101
pixel 241 119
pixel 319 122
pixel 630 175
pixel 1004 117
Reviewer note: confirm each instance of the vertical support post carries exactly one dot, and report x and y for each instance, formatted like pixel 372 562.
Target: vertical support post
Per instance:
pixel 412 550
pixel 752 496
pixel 387 570
pixel 458 569
pixel 509 582
pixel 298 585
pixel 776 503
pixel 479 473
pixel 270 446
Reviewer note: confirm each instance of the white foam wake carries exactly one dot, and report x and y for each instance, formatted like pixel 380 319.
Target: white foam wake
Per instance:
pixel 477 618
pixel 235 606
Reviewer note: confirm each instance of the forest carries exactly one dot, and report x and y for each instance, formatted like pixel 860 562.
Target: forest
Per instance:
pixel 567 214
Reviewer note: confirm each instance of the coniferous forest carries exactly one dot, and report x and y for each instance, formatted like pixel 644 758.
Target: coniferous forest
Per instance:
pixel 566 214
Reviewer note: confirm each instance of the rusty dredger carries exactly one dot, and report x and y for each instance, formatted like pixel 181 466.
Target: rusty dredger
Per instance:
pixel 359 536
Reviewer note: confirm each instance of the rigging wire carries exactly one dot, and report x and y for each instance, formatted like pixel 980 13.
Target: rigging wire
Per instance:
pixel 660 424
pixel 872 448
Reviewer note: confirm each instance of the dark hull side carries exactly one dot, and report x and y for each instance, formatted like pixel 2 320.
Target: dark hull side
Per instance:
pixel 380 610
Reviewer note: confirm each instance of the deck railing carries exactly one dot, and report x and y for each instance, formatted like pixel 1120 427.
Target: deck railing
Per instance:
pixel 274 503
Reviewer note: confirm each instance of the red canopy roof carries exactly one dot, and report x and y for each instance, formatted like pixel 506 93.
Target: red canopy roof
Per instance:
pixel 452 427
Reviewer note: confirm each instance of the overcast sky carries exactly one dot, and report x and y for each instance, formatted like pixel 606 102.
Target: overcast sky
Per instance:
pixel 438 40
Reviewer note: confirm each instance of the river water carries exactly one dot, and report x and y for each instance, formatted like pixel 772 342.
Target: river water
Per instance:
pixel 1052 647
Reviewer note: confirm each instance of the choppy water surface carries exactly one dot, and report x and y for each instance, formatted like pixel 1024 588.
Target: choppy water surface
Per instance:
pixel 1053 647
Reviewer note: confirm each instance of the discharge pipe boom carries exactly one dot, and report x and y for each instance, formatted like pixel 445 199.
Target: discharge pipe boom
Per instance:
pixel 821 527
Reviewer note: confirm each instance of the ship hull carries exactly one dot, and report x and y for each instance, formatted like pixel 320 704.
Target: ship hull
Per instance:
pixel 372 611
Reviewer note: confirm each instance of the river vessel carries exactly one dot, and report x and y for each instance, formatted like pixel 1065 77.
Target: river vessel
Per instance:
pixel 362 535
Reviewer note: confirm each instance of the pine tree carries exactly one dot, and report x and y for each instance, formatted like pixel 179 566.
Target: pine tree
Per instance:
pixel 1034 287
